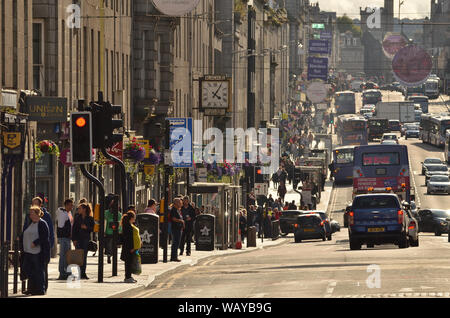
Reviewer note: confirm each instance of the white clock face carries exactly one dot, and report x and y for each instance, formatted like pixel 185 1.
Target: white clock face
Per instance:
pixel 215 94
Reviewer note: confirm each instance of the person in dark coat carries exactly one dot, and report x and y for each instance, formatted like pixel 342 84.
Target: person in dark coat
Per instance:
pixel 178 225
pixel 243 224
pixel 83 225
pixel 188 213
pixel 128 244
pixel 35 244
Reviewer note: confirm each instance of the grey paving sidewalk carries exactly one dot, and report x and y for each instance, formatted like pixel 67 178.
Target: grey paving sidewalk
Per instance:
pixel 114 286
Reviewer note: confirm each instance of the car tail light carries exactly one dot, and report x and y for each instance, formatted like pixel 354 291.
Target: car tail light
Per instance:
pixel 351 218
pixel 412 225
pixel 400 216
pixel 322 223
pixel 296 225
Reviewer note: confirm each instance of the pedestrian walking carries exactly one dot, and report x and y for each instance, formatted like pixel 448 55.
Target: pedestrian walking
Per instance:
pixel 109 231
pixel 83 226
pixel 128 244
pixel 64 233
pixel 189 215
pixel 282 190
pixel 36 251
pixel 177 227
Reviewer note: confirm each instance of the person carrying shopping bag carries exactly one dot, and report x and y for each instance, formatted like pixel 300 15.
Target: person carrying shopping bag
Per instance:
pixel 131 243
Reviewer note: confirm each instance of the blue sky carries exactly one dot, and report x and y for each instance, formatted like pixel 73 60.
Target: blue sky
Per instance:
pixel 412 9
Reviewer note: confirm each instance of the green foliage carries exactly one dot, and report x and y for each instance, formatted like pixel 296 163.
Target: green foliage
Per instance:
pixel 345 24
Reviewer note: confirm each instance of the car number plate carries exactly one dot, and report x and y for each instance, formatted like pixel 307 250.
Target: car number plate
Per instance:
pixel 375 229
pixel 308 230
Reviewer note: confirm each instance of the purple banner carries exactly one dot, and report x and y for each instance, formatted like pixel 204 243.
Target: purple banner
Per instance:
pixel 318 68
pixel 318 47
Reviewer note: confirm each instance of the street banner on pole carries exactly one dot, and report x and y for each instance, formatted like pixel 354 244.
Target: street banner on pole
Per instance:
pixel 181 142
pixel 318 68
pixel 318 46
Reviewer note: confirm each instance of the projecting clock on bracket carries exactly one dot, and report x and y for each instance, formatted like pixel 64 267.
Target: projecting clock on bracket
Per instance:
pixel 215 93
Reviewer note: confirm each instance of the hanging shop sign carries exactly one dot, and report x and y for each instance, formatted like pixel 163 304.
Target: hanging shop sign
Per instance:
pixel 46 109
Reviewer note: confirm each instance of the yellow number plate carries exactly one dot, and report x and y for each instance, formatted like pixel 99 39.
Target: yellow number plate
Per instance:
pixel 375 229
pixel 308 230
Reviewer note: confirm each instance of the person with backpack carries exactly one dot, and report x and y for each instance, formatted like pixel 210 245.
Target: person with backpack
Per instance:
pixel 64 220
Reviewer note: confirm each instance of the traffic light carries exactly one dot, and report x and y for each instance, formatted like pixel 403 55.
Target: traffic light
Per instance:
pixel 81 138
pixel 259 177
pixel 98 119
pixel 112 124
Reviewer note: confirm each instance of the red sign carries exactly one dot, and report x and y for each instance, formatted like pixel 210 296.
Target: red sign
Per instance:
pixel 116 151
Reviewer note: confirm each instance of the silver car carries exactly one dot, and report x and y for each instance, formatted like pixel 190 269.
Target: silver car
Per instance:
pixel 434 170
pixel 438 183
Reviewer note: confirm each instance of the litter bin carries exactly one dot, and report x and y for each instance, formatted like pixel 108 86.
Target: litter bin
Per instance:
pixel 251 236
pixel 205 232
pixel 275 230
pixel 149 230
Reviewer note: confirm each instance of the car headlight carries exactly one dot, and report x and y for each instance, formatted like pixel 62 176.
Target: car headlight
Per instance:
pixel 443 223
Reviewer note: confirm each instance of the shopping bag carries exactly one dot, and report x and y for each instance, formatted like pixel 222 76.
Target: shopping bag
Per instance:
pixel 136 239
pixel 136 267
pixel 75 257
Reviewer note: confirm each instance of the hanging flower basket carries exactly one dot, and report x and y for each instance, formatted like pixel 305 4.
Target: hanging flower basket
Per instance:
pixel 134 151
pixel 46 146
pixel 154 157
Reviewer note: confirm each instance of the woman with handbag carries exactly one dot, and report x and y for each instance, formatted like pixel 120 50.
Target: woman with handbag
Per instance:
pixel 83 226
pixel 130 245
pixel 36 247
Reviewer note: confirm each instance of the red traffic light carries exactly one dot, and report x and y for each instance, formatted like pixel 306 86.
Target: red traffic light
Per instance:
pixel 259 171
pixel 81 122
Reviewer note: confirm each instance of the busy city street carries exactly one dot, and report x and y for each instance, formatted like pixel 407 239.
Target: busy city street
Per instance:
pixel 224 149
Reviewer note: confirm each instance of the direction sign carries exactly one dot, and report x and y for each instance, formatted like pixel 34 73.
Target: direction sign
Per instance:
pixel 318 68
pixel 318 47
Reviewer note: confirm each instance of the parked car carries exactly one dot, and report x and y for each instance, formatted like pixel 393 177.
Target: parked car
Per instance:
pixel 430 161
pixel 434 221
pixel 378 219
pixel 309 226
pixel 288 219
pixel 434 170
pixel 390 136
pixel 412 132
pixel 394 125
pixel 438 184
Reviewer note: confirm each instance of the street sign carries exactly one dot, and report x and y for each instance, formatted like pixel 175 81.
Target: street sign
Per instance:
pixel 318 46
pixel 318 26
pixel 181 142
pixel 326 35
pixel 318 68
pixel 149 170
